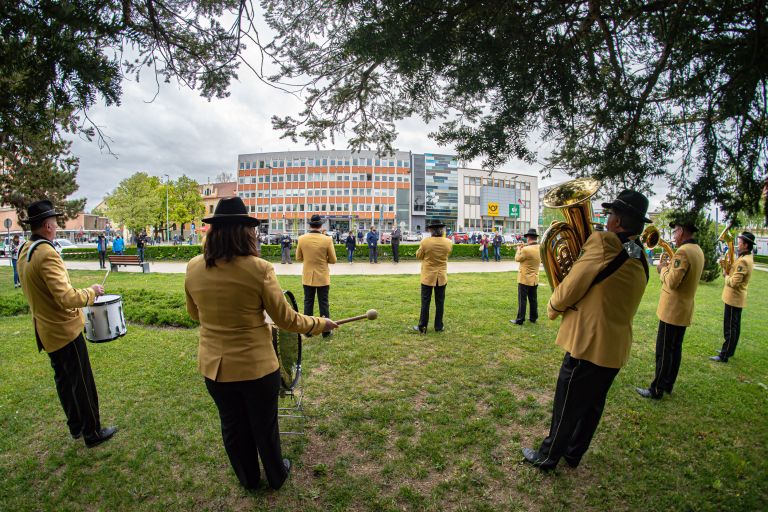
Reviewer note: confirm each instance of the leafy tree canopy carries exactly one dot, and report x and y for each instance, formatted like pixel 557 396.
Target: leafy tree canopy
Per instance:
pixel 185 201
pixel 137 202
pixel 625 91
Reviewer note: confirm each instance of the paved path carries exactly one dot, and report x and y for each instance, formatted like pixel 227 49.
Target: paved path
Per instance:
pixel 339 269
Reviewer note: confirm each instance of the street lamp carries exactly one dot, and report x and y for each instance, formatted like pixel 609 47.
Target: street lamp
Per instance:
pixel 167 228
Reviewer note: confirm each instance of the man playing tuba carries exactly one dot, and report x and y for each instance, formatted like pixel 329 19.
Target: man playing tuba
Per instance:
pixel 598 299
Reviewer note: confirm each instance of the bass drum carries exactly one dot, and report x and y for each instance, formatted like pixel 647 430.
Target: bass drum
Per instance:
pixel 104 320
pixel 288 349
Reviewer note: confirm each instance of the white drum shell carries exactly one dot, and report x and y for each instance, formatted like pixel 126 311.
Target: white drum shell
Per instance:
pixel 104 320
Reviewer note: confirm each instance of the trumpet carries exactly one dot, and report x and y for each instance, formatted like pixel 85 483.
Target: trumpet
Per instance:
pixel 651 238
pixel 729 252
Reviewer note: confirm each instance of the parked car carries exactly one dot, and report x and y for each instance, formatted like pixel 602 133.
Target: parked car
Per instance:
pixel 412 237
pixel 459 237
pixel 62 243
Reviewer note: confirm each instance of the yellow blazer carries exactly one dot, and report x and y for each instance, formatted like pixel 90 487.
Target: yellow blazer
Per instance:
pixel 229 300
pixel 737 280
pixel 680 279
pixel 597 321
pixel 316 250
pixel 529 257
pixel 433 253
pixel 52 299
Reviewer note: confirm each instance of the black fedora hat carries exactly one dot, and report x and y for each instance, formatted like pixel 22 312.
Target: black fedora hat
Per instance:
pixel 632 202
pixel 532 232
pixel 685 219
pixel 435 224
pixel 231 210
pixel 316 221
pixel 747 237
pixel 40 210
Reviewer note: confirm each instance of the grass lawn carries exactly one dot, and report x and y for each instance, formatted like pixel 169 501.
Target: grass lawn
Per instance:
pixel 396 421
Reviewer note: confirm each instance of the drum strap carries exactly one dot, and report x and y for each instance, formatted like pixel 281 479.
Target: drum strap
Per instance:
pixel 35 245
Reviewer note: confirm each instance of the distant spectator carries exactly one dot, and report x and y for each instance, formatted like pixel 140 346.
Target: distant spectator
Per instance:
pixel 395 239
pixel 484 242
pixel 497 241
pixel 101 246
pixel 15 246
pixel 285 249
pixel 350 243
pixel 373 245
pixel 118 246
pixel 140 242
pixel 359 237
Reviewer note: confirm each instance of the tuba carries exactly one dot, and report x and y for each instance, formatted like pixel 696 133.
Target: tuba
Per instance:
pixel 562 241
pixel 651 238
pixel 728 252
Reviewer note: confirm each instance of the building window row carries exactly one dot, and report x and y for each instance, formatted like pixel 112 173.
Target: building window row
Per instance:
pixel 318 162
pixel 497 182
pixel 325 207
pixel 318 192
pixel 300 178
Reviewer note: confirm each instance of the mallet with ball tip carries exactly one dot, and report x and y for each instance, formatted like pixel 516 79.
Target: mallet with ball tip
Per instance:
pixel 371 314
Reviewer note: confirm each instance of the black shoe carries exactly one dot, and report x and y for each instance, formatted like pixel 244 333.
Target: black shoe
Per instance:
pixel 532 321
pixel 646 393
pixel 516 322
pixel 328 334
pixel 572 462
pixel 719 359
pixel 538 460
pixel 439 330
pixel 99 437
pixel 420 330
pixel 76 436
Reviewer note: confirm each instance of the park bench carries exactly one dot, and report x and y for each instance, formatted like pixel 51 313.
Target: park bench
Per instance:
pixel 118 260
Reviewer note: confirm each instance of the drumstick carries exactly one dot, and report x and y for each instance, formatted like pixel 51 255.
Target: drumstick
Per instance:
pixel 371 314
pixel 105 277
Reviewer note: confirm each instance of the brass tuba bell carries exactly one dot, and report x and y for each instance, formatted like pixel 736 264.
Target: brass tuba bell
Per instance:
pixel 562 241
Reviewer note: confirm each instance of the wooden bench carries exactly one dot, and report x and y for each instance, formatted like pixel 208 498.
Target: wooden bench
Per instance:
pixel 118 260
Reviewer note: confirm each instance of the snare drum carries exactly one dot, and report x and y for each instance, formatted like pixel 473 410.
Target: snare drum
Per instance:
pixel 104 320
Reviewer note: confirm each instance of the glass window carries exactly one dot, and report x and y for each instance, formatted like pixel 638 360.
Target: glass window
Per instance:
pixel 242 165
pixel 354 161
pixel 346 161
pixel 325 161
pixel 289 164
pixel 324 192
pixel 378 162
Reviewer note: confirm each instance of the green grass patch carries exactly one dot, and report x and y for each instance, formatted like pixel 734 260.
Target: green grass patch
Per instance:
pixel 396 421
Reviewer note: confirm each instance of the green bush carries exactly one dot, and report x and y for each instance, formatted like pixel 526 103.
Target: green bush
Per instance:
pixel 759 258
pixel 273 252
pixel 12 304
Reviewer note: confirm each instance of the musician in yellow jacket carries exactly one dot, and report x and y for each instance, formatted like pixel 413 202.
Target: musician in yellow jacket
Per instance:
pixel 316 250
pixel 58 321
pixel 229 289
pixel 433 252
pixel 735 295
pixel 598 300
pixel 529 257
pixel 680 280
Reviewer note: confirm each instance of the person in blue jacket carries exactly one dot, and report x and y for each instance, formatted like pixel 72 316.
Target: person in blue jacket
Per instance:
pixel 373 245
pixel 118 246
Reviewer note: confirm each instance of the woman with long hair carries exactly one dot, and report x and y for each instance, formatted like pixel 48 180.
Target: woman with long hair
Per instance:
pixel 229 289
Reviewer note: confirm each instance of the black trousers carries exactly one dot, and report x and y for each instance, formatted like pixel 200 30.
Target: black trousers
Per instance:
pixel 579 401
pixel 396 251
pixel 426 299
pixel 76 387
pixel 322 299
pixel 249 428
pixel 102 259
pixel 731 331
pixel 373 254
pixel 669 351
pixel 529 294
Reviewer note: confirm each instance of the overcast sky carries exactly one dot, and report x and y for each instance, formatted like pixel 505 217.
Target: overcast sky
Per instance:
pixel 181 133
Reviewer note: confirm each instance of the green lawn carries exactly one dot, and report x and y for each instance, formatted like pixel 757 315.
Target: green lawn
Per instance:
pixel 396 421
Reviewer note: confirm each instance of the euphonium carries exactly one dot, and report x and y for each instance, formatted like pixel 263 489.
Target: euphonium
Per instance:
pixel 562 242
pixel 651 238
pixel 729 254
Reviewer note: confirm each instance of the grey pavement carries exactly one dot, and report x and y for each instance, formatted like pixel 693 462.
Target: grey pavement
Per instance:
pixel 339 269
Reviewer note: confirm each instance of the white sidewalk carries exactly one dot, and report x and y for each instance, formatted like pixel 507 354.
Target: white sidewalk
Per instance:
pixel 339 269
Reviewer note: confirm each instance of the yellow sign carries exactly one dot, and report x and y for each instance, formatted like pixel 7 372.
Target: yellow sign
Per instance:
pixel 493 209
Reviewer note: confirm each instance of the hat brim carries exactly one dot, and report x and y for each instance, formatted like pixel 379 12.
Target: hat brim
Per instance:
pixel 621 207
pixel 232 219
pixel 748 240
pixel 42 216
pixel 532 235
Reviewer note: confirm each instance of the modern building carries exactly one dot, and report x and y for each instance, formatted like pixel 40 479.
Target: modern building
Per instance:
pixel 354 190
pixel 497 200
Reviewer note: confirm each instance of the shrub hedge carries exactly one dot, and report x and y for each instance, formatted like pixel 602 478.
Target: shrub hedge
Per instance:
pixel 272 252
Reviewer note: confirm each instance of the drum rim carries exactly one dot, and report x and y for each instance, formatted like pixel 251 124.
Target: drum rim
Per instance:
pixel 105 340
pixel 118 298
